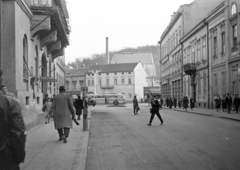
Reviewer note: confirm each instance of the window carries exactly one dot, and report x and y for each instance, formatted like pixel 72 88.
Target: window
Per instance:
pixel 215 47
pixel 223 43
pixel 234 9
pixel 204 83
pixel 223 82
pixel 188 55
pixel 129 81
pixel 81 82
pixel 123 82
pixel 89 84
pixel 234 29
pixel 115 81
pixel 107 82
pixel 198 51
pixel 234 81
pixel 25 59
pixel 215 84
pixel 204 48
pixel 74 85
pixel 100 82
pixel 177 38
pixel 193 54
pixel 184 56
pixel 199 84
pixel 179 34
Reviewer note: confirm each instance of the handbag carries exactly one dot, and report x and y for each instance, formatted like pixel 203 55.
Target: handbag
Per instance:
pixel 138 108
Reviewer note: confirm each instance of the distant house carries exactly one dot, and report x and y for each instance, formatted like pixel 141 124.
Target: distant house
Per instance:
pixel 75 79
pixel 145 58
pixel 126 78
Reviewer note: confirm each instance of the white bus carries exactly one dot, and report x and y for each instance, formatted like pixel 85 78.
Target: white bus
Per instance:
pixel 106 98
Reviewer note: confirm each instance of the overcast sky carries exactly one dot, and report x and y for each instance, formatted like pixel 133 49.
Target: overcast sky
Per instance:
pixel 127 23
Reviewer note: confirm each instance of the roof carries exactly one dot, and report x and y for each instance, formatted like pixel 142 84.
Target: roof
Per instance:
pixel 112 68
pixel 76 71
pixel 145 58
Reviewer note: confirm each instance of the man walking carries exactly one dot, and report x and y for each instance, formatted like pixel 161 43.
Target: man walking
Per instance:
pixel 135 105
pixel 79 107
pixel 63 110
pixel 155 110
pixel 12 133
pixel 229 103
pixel 236 103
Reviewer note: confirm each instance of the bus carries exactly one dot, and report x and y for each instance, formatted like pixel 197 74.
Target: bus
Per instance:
pixel 107 98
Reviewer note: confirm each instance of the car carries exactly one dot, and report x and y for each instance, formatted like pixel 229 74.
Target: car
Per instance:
pixel 91 102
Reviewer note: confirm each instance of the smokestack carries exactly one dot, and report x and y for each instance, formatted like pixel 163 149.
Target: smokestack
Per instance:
pixel 107 54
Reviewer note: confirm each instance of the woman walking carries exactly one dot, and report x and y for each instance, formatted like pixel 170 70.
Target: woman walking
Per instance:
pixel 135 106
pixel 185 103
pixel 47 106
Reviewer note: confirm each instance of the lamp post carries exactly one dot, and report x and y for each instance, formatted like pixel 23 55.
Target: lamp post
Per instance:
pixel 95 79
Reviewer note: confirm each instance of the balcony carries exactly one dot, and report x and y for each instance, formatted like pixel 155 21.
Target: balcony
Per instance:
pixel 107 87
pixel 190 68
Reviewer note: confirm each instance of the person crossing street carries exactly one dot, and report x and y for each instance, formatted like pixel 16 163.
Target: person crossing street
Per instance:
pixel 155 110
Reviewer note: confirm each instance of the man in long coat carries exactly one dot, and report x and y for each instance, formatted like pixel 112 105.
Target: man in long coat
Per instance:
pixel 63 110
pixel 79 107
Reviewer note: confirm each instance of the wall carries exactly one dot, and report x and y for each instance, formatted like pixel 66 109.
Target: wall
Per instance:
pixel 139 81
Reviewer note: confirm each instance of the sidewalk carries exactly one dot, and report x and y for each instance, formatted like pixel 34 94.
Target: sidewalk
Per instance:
pixel 210 112
pixel 45 151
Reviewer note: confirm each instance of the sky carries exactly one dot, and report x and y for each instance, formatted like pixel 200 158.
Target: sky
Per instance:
pixel 126 23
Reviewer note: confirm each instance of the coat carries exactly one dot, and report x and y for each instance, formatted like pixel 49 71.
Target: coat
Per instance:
pixel 79 106
pixel 62 108
pixel 135 102
pixel 185 103
pixel 12 133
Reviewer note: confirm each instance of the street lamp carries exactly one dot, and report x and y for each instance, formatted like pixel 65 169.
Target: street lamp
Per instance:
pixel 95 79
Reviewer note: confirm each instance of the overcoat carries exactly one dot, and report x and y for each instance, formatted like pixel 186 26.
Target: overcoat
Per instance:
pixel 62 108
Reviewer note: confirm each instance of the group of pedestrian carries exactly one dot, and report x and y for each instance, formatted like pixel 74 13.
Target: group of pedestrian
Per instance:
pixel 171 102
pixel 227 103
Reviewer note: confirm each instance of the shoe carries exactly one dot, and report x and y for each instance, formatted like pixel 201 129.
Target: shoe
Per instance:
pixel 64 139
pixel 149 124
pixel 161 123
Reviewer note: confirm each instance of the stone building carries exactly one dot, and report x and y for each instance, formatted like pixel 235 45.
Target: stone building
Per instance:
pixel 171 53
pixel 145 58
pixel 126 78
pixel 75 79
pixel 33 36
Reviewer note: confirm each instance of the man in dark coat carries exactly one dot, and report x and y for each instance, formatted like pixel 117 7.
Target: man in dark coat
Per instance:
pixel 79 107
pixel 229 103
pixel 192 103
pixel 170 102
pixel 175 102
pixel 167 101
pixel 63 112
pixel 236 103
pixel 155 110
pixel 12 133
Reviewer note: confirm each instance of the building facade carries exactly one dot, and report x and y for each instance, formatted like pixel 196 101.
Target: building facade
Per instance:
pixel 127 78
pixel 34 34
pixel 171 53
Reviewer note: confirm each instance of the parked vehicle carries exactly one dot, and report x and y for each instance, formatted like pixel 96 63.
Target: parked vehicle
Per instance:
pixel 113 98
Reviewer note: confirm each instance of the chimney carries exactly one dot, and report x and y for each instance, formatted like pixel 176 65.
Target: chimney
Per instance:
pixel 107 54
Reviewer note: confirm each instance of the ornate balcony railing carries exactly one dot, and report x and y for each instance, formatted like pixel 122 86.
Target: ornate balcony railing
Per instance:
pixel 190 68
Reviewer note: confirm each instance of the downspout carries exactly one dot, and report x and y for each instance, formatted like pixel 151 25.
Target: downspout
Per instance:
pixel 209 69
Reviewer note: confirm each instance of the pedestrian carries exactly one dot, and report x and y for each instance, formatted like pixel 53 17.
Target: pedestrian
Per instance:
pixel 167 101
pixel 170 102
pixel 135 105
pixel 185 103
pixel 79 107
pixel 12 132
pixel 179 103
pixel 161 101
pixel 224 105
pixel 64 112
pixel 192 103
pixel 217 102
pixel 155 110
pixel 5 91
pixel 47 106
pixel 175 102
pixel 229 103
pixel 45 99
pixel 236 103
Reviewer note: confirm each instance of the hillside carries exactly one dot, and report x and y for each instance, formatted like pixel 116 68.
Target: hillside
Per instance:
pixel 101 58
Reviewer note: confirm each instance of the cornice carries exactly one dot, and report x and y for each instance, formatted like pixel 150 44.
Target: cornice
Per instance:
pixel 22 4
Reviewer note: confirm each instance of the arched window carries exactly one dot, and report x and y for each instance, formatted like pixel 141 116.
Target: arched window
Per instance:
pixel 25 61
pixel 234 9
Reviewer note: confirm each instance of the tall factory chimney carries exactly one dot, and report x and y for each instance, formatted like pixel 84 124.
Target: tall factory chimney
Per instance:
pixel 107 53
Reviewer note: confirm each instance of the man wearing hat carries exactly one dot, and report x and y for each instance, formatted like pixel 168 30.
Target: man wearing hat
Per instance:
pixel 155 110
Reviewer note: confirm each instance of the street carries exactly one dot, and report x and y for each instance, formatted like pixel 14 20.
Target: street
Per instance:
pixel 120 140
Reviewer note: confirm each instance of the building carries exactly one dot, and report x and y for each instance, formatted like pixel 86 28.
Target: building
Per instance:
pixel 196 65
pixel 75 80
pixel 34 34
pixel 145 58
pixel 171 54
pixel 126 78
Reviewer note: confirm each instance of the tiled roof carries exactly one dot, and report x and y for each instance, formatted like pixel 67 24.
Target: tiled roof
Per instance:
pixel 76 71
pixel 112 68
pixel 145 58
